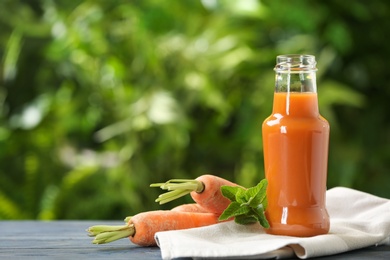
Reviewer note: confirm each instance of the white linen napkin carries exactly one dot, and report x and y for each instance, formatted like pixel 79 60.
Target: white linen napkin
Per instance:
pixel 357 220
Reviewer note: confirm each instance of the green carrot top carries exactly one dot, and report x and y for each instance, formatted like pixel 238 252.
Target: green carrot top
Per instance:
pixel 177 188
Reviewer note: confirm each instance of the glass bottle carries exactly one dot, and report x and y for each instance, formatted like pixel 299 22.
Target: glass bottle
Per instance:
pixel 295 145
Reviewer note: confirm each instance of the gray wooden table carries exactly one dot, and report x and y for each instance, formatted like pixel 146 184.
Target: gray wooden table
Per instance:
pixel 68 240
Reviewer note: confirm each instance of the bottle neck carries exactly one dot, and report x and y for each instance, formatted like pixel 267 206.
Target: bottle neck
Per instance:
pixel 296 86
pixel 296 94
pixel 296 81
pixel 296 104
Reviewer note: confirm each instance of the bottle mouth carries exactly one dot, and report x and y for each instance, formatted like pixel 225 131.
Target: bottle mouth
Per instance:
pixel 295 63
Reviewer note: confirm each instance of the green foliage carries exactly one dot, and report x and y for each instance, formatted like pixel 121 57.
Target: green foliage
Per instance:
pixel 98 99
pixel 247 205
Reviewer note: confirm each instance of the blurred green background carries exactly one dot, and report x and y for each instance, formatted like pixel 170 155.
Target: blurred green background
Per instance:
pixel 98 99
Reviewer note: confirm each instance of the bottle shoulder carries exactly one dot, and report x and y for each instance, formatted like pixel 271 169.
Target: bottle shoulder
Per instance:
pixel 278 120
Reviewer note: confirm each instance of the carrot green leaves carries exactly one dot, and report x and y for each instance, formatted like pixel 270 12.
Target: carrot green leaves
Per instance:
pixel 247 205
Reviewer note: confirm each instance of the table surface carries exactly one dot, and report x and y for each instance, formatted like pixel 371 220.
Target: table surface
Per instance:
pixel 68 239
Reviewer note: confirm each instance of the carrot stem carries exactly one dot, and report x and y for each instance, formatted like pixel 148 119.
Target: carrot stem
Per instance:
pixel 106 234
pixel 177 188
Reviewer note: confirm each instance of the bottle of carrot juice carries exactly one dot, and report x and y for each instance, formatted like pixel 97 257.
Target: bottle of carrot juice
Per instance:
pixel 295 144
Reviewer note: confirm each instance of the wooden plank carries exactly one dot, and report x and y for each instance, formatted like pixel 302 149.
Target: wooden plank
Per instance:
pixel 64 240
pixel 69 240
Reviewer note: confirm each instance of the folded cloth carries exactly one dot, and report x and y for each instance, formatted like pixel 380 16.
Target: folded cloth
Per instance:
pixel 357 220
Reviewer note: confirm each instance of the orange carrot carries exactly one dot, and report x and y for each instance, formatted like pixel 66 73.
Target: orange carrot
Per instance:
pixel 191 207
pixel 204 190
pixel 148 223
pixel 211 198
pixel 142 227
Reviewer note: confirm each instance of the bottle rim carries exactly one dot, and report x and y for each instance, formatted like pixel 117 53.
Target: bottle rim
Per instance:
pixel 295 63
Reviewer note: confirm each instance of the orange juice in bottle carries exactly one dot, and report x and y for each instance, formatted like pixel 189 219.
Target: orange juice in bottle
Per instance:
pixel 295 145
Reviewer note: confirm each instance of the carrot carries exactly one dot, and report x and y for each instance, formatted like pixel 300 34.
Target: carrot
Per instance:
pixel 204 190
pixel 142 227
pixel 191 207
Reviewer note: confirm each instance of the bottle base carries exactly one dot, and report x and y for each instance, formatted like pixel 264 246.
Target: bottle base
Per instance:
pixel 297 230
